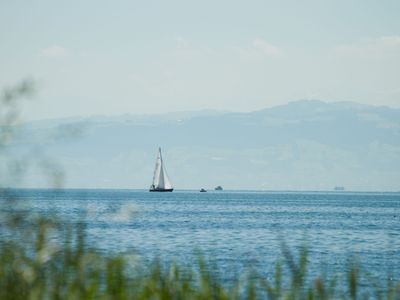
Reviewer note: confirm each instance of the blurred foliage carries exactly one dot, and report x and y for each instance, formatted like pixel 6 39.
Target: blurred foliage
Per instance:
pixel 45 258
pixel 13 166
pixel 39 268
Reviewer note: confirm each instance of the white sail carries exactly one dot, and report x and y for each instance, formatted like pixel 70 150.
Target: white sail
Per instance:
pixel 161 180
pixel 157 170
pixel 165 178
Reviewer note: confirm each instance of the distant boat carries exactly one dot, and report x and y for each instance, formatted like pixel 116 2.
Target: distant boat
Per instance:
pixel 161 181
pixel 202 190
pixel 218 188
pixel 339 188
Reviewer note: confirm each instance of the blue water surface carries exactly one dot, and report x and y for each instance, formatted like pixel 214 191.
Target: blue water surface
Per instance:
pixel 236 229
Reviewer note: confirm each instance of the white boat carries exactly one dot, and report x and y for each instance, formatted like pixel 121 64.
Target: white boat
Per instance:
pixel 161 181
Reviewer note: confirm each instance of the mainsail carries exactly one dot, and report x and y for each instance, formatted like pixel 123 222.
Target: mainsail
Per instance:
pixel 161 181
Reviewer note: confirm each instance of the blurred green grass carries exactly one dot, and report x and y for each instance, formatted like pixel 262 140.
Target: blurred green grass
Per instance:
pixel 39 267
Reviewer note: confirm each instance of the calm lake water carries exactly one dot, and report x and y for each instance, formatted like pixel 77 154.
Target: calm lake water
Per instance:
pixel 236 229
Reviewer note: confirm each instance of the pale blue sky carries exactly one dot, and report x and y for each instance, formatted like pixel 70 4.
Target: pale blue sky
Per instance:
pixel 115 57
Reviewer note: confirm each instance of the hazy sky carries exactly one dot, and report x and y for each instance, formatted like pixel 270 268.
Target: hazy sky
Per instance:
pixel 114 57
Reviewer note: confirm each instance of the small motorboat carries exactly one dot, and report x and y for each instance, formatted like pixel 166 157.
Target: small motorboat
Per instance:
pixel 202 190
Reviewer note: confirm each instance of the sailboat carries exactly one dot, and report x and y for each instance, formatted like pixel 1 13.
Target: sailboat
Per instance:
pixel 161 181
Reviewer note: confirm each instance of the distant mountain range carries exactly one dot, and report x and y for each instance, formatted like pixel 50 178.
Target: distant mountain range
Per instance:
pixel 304 145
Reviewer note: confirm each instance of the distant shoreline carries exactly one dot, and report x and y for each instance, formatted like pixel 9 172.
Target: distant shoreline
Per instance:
pixel 210 190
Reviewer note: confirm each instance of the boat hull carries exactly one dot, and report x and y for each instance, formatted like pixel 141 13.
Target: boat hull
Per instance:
pixel 161 190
